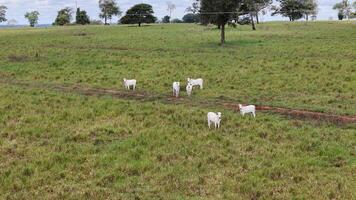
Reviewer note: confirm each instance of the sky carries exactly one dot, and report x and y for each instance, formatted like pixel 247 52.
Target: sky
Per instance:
pixel 48 9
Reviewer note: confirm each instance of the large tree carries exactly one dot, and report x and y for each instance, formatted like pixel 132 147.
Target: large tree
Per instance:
pixel 32 17
pixel 166 19
pixel 252 8
pixel 191 18
pixel 138 14
pixel 108 8
pixel 344 9
pixel 293 9
pixel 310 8
pixel 258 6
pixel 218 13
pixel 82 17
pixel 3 13
pixel 64 17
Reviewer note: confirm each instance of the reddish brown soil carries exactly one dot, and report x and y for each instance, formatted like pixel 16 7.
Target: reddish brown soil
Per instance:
pixel 139 95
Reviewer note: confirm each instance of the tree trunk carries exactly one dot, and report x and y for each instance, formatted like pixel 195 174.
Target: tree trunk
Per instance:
pixel 139 24
pixel 307 17
pixel 252 22
pixel 257 20
pixel 222 39
pixel 106 20
pixel 219 26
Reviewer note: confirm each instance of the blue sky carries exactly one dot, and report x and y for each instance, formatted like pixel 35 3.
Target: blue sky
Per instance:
pixel 48 8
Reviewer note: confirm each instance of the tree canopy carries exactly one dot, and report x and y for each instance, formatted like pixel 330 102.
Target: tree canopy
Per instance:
pixel 3 13
pixel 32 17
pixel 64 17
pixel 82 17
pixel 191 18
pixel 138 14
pixel 108 8
pixel 219 13
pixel 344 9
pixel 166 19
pixel 294 9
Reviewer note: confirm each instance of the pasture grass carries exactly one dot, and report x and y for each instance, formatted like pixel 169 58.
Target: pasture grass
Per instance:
pixel 65 146
pixel 295 65
pixel 56 145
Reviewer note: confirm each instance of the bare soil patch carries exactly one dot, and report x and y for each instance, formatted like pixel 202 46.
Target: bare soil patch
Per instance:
pixel 144 96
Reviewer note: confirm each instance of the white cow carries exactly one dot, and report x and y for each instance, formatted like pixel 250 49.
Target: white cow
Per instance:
pixel 247 109
pixel 189 89
pixel 214 118
pixel 196 82
pixel 176 88
pixel 129 83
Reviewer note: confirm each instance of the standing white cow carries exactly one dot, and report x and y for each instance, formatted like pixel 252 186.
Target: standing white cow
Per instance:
pixel 247 109
pixel 214 118
pixel 196 82
pixel 189 89
pixel 176 89
pixel 129 83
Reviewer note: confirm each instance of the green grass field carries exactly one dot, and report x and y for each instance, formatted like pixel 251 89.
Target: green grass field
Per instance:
pixel 62 145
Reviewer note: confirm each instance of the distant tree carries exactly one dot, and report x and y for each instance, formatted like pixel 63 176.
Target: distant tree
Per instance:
pixel 64 17
pixel 260 5
pixel 353 15
pixel 166 19
pixel 32 17
pixel 3 13
pixel 252 8
pixel 310 8
pixel 293 9
pixel 191 18
pixel 218 13
pixel 96 22
pixel 138 14
pixel 108 8
pixel 176 21
pixel 170 7
pixel 344 9
pixel 11 22
pixel 82 17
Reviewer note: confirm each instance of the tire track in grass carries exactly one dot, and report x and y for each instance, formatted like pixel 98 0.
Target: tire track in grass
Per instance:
pixel 145 96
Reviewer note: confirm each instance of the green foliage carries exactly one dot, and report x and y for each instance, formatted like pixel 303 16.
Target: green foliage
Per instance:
pixel 82 17
pixel 108 8
pixel 295 9
pixel 166 19
pixel 138 14
pixel 219 13
pixel 344 9
pixel 191 18
pixel 64 17
pixel 176 20
pixel 3 13
pixel 32 17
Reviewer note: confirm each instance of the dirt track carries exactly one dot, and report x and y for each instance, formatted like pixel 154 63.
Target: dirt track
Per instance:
pixel 144 96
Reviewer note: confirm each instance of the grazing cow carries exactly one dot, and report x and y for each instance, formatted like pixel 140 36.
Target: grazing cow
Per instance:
pixel 196 82
pixel 176 88
pixel 247 109
pixel 189 89
pixel 214 118
pixel 129 83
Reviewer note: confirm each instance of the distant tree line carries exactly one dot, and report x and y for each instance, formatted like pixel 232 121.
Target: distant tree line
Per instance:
pixel 218 12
